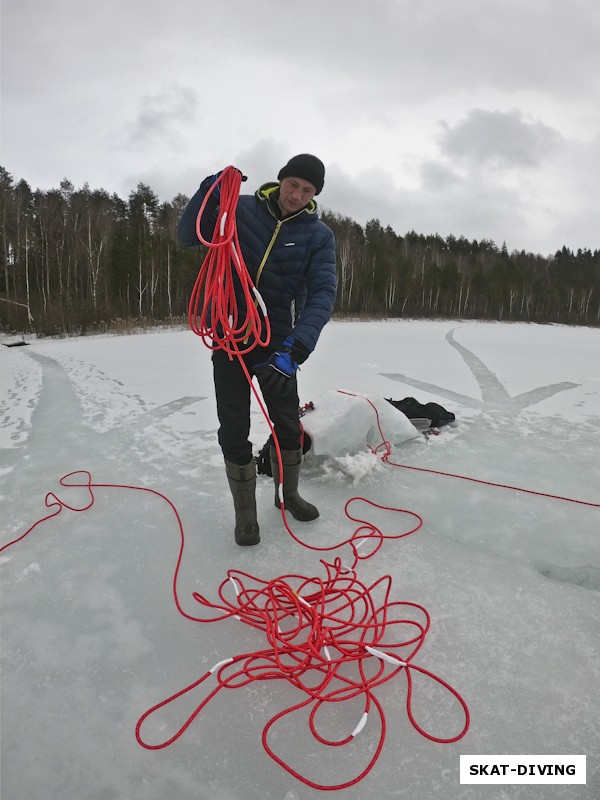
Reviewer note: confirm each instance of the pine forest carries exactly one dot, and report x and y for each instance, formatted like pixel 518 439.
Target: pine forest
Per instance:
pixel 77 261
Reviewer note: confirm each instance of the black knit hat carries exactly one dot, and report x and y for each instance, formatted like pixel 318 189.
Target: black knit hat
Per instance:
pixel 307 167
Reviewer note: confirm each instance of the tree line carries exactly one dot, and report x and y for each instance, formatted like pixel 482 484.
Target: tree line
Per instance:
pixel 79 260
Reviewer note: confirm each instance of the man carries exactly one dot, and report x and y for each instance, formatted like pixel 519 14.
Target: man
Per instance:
pixel 290 256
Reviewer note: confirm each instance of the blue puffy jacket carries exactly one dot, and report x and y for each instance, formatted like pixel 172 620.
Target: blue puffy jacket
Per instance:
pixel 291 260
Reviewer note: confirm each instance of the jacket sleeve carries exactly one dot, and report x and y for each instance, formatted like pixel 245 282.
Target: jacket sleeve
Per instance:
pixel 186 230
pixel 321 286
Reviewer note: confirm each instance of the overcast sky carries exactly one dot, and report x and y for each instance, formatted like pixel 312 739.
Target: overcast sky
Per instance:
pixel 478 118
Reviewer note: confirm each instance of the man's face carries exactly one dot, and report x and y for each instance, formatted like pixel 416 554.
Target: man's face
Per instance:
pixel 294 194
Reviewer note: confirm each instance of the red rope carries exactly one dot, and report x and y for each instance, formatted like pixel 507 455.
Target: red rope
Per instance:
pixel 330 639
pixel 316 630
pixel 386 447
pixel 213 310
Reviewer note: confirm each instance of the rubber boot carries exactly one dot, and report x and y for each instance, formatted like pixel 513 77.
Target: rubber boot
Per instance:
pixel 296 505
pixel 242 482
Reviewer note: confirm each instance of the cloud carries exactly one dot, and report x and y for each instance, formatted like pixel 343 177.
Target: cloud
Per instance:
pixel 160 115
pixel 172 175
pixel 437 175
pixel 498 138
pixel 164 94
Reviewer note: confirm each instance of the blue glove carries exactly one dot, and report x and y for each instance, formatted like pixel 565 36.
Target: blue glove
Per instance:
pixel 275 374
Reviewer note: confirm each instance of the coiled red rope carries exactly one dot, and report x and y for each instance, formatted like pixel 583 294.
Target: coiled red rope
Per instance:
pixel 331 640
pixel 213 311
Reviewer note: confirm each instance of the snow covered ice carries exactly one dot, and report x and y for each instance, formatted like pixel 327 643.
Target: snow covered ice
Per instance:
pixel 90 634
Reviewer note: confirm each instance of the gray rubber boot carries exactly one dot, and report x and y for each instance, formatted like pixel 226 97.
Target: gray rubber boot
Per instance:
pixel 242 482
pixel 296 505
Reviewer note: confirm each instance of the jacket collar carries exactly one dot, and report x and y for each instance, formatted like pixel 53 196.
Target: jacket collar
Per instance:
pixel 268 194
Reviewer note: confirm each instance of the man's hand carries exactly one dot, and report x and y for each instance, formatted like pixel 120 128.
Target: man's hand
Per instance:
pixel 212 179
pixel 275 375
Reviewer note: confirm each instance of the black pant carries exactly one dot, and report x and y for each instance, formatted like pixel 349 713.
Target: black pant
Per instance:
pixel 233 407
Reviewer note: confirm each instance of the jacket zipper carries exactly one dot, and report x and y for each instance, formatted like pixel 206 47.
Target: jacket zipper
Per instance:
pixel 265 257
pixel 261 267
pixel 268 251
